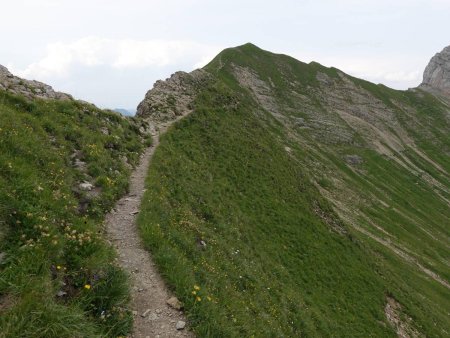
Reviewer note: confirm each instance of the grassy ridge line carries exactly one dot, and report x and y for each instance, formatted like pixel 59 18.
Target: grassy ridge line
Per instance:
pixel 271 267
pixel 222 176
pixel 52 246
pixel 381 190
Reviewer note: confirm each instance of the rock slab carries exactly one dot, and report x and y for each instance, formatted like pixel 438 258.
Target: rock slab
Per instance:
pixel 436 77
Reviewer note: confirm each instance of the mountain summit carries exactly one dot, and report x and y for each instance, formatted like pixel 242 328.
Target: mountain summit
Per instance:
pixel 436 77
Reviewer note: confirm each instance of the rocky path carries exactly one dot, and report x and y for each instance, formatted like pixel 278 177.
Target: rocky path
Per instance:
pixel 153 317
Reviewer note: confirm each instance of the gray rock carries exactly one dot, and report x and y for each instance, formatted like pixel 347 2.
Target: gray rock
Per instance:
pixel 436 76
pixel 27 88
pixel 4 72
pixel 353 159
pixel 86 186
pixel 175 303
pixel 61 293
pixel 2 257
pixel 180 325
pixel 172 98
pixel 80 165
pixel 153 316
pixel 145 313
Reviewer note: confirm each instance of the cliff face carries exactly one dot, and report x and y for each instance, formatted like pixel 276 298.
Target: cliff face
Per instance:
pixel 27 88
pixel 172 98
pixel 436 77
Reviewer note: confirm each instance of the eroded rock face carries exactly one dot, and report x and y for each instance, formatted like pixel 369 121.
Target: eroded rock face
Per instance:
pixel 27 88
pixel 436 77
pixel 172 98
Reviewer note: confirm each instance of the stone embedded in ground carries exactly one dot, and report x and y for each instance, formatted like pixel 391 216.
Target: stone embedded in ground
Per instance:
pixel 146 312
pixel 80 165
pixel 353 159
pixel 61 293
pixel 153 316
pixel 180 325
pixel 175 303
pixel 86 186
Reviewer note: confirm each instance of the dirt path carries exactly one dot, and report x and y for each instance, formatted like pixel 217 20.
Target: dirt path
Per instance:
pixel 153 318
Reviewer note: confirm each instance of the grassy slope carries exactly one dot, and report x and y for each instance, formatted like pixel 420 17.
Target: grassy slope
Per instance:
pixel 271 266
pixel 49 246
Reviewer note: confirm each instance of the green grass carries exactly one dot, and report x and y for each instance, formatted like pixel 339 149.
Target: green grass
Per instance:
pixel 51 244
pixel 273 266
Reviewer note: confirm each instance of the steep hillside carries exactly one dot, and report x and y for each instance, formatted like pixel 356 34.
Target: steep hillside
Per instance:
pixel 63 163
pixel 296 200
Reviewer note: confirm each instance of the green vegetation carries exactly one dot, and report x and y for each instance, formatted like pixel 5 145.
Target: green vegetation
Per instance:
pixel 270 262
pixel 57 278
pixel 295 201
pixel 241 231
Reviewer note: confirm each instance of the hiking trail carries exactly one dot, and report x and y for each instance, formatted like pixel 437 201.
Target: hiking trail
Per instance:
pixel 153 317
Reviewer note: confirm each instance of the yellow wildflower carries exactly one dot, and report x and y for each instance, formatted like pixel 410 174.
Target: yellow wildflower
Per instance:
pixel 198 299
pixel 196 287
pixel 87 286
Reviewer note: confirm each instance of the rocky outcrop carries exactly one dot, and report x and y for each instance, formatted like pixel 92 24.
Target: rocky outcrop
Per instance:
pixel 172 98
pixel 436 77
pixel 27 88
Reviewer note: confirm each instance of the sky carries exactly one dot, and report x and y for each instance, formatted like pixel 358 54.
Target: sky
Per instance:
pixel 110 52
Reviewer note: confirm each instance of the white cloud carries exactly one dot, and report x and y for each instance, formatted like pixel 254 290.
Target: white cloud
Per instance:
pixel 402 76
pixel 61 58
pixel 392 70
pixel 382 71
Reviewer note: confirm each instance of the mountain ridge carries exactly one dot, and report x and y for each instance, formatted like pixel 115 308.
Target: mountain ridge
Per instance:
pixel 28 88
pixel 374 166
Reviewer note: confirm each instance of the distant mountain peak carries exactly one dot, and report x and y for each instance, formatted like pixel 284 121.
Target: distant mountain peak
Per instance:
pixel 436 76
